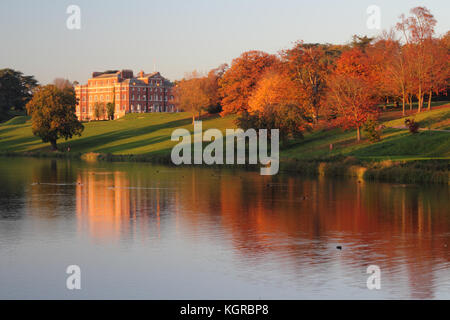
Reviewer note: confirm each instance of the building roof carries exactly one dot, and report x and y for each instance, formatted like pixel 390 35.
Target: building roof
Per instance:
pixel 105 74
pixel 134 81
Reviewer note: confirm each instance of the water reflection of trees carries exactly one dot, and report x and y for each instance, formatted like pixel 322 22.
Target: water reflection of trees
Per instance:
pixel 299 220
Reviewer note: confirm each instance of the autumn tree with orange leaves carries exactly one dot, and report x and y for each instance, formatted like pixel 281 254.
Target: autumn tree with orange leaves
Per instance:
pixel 274 105
pixel 273 90
pixel 309 65
pixel 417 31
pixel 211 87
pixel 438 71
pixel 351 91
pixel 238 83
pixel 190 95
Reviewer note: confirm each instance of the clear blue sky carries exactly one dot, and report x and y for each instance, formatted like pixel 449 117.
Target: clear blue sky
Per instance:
pixel 177 35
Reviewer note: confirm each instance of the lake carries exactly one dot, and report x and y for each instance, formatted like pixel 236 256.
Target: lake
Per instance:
pixel 141 231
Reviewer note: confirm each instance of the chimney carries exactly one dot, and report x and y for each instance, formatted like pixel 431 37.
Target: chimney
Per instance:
pixel 141 74
pixel 126 74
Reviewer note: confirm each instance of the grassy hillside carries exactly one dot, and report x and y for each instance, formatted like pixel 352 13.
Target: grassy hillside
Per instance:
pixel 396 144
pixel 148 134
pixel 133 134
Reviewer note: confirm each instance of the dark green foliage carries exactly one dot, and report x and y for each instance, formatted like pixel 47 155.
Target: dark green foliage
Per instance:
pixel 213 109
pixel 52 113
pixel 110 110
pixel 15 90
pixel 373 130
pixel 361 42
pixel 290 121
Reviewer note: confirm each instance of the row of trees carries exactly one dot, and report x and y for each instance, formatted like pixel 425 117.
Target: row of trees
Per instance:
pixel 336 84
pixel 102 109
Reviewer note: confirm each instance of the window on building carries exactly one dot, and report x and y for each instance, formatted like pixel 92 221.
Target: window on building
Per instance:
pixel 124 97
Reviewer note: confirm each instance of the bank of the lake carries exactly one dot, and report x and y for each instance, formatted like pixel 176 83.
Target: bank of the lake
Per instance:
pixel 398 157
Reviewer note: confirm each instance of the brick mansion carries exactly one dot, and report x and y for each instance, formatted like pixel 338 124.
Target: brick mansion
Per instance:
pixel 143 93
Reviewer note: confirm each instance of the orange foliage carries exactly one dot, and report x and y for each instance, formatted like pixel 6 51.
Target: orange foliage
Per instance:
pixel 351 91
pixel 273 90
pixel 238 83
pixel 309 65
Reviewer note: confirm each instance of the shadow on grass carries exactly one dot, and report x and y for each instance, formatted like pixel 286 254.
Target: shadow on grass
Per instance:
pixel 96 142
pixel 20 144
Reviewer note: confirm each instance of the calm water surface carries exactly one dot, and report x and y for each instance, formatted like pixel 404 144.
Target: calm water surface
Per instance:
pixel 143 231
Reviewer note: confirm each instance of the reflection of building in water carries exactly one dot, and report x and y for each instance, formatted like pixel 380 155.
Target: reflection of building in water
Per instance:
pixel 103 203
pixel 111 205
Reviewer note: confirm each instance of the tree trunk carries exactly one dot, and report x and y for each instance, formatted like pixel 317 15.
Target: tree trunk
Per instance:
pixel 53 143
pixel 429 100
pixel 358 134
pixel 420 98
pixel 410 102
pixel 403 103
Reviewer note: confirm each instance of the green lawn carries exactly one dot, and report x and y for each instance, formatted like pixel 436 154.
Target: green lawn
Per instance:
pixel 150 134
pixel 438 118
pixel 133 134
pixel 396 144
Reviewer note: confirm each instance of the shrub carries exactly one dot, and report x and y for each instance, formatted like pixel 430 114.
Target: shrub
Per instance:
pixel 373 130
pixel 290 121
pixel 412 125
pixel 213 109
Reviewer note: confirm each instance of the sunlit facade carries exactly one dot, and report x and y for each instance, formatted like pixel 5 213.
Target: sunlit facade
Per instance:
pixel 129 94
